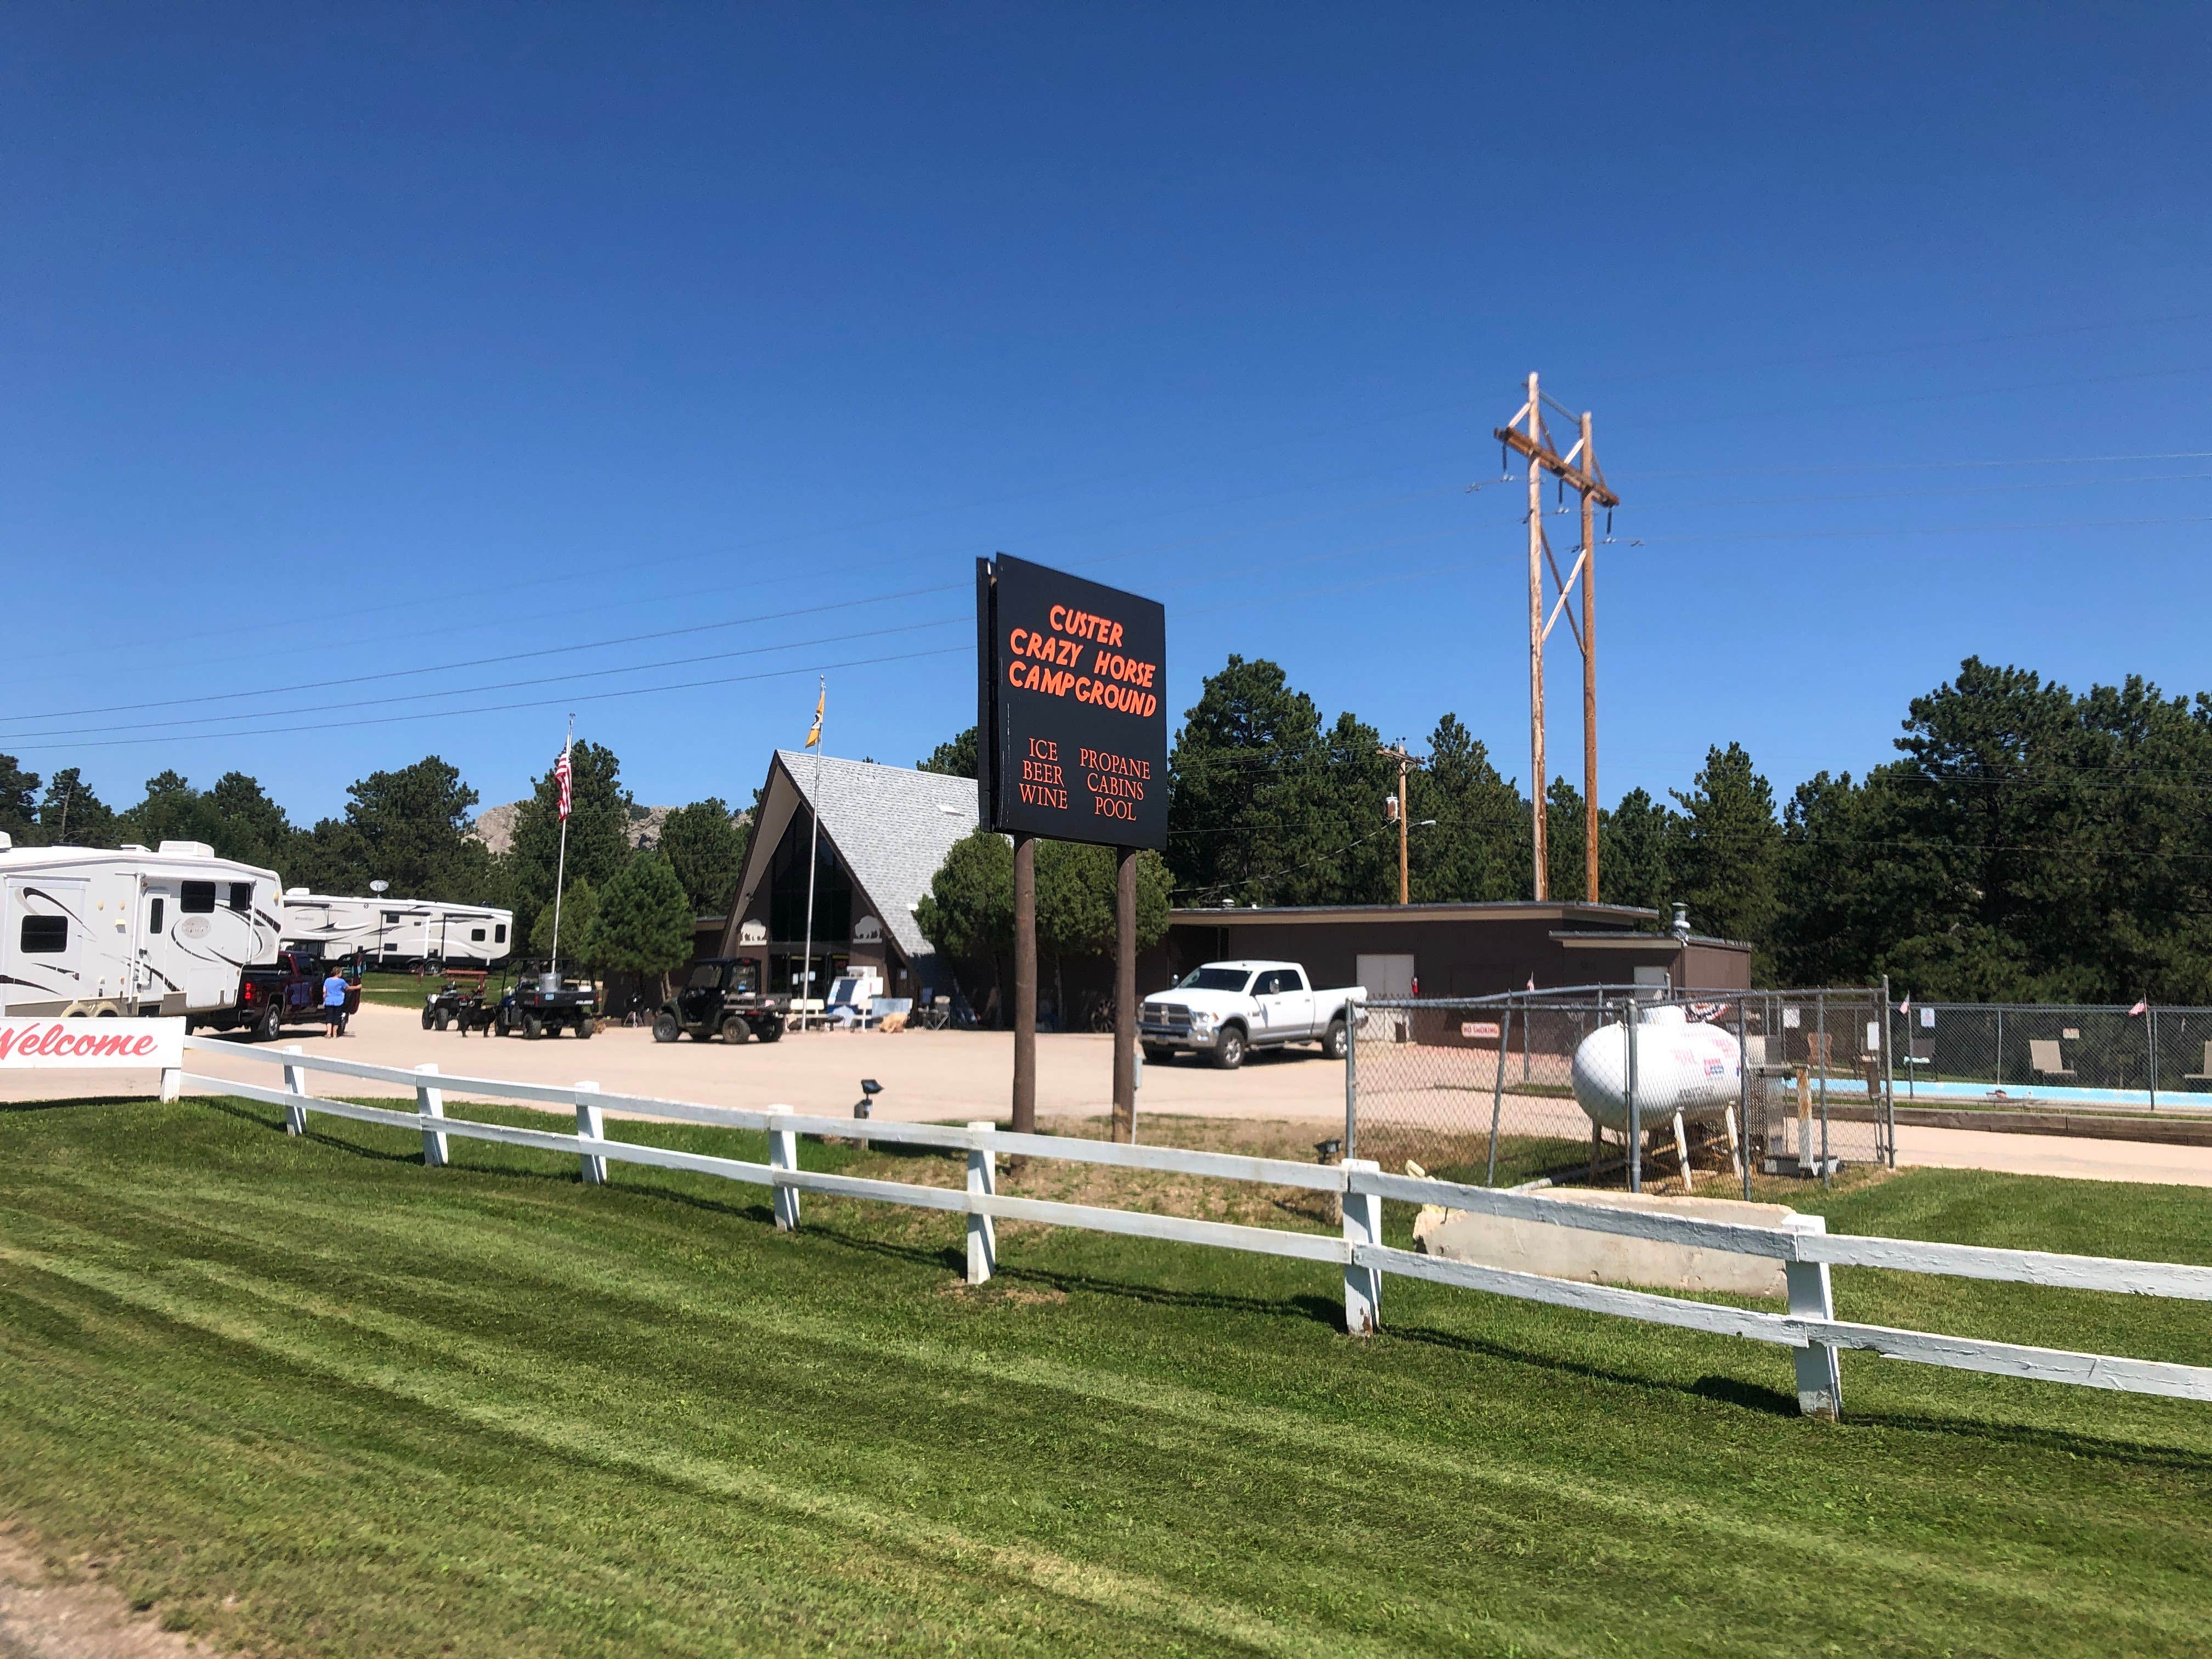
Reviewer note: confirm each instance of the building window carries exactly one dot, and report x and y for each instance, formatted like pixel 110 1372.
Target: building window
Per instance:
pixel 786 889
pixel 45 936
pixel 197 898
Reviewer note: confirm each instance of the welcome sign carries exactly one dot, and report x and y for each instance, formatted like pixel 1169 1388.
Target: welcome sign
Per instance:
pixel 1072 722
pixel 70 1044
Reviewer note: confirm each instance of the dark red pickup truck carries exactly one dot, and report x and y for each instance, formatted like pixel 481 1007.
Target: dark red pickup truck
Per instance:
pixel 289 994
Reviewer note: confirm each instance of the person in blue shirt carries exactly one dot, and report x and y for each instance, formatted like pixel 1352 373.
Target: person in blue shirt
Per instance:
pixel 334 1003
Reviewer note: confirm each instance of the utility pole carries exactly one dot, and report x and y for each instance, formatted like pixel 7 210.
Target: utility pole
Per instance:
pixel 1403 810
pixel 1578 469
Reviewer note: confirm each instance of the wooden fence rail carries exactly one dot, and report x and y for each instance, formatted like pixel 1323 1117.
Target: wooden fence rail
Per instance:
pixel 1804 1247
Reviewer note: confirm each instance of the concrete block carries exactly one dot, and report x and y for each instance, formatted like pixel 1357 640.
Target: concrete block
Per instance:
pixel 1556 1252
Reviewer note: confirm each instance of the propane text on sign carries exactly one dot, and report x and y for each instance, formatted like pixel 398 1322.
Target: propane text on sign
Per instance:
pixel 112 1044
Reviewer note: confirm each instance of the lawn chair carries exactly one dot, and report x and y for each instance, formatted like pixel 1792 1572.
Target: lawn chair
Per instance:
pixel 2043 1054
pixel 2204 1076
pixel 1921 1053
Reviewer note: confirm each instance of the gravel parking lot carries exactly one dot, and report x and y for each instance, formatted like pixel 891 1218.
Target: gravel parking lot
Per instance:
pixel 957 1075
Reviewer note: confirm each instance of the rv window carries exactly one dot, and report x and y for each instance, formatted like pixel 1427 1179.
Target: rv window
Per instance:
pixel 241 896
pixel 45 936
pixel 391 916
pixel 154 915
pixel 499 934
pixel 197 898
pixel 475 936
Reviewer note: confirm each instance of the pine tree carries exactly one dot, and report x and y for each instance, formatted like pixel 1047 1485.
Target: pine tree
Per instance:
pixel 644 921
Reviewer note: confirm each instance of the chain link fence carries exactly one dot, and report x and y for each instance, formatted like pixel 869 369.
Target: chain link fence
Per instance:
pixel 2075 1056
pixel 1482 1089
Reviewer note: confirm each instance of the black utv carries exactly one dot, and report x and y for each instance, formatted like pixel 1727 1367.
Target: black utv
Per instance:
pixel 720 998
pixel 544 1002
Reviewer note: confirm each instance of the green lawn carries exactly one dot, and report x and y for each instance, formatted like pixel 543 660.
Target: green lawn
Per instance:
pixel 313 1397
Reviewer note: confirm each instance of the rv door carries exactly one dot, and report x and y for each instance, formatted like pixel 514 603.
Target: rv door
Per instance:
pixel 161 970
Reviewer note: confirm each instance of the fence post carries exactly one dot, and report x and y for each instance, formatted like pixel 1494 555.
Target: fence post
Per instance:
pixel 1819 1381
pixel 2150 1020
pixel 172 1083
pixel 431 1102
pixel 1632 1018
pixel 1363 1225
pixel 1497 1092
pixel 783 1154
pixel 983 1229
pixel 1743 1092
pixel 1820 1003
pixel 1889 1073
pixel 1353 1021
pixel 295 1083
pixel 591 1124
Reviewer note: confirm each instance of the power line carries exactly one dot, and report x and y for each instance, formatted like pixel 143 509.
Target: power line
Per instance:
pixel 503 707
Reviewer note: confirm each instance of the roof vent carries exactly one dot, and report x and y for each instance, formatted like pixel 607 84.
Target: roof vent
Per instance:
pixel 1682 922
pixel 186 849
pixel 295 892
pixel 133 846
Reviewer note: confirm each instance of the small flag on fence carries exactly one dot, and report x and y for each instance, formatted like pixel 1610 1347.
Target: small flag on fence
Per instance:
pixel 1905 1007
pixel 2142 1007
pixel 564 776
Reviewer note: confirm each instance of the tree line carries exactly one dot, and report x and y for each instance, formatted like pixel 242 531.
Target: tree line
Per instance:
pixel 2029 844
pixel 624 908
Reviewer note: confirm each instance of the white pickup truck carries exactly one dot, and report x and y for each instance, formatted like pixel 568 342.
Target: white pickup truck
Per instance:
pixel 1226 1008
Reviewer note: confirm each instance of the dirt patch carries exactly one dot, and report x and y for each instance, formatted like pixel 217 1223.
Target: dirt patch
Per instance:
pixel 72 1615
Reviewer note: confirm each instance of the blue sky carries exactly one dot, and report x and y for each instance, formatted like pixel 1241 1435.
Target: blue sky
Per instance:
pixel 337 341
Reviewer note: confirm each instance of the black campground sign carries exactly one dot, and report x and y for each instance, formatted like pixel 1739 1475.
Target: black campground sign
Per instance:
pixel 1072 729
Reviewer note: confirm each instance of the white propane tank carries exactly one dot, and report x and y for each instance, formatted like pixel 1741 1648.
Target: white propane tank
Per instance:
pixel 1693 1069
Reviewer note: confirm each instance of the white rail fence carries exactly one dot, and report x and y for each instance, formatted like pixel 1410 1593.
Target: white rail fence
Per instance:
pixel 1806 1249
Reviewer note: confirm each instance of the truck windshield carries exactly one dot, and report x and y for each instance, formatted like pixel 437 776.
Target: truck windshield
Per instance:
pixel 1214 979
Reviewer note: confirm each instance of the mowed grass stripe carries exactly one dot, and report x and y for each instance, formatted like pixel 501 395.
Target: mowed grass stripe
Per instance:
pixel 1173 1449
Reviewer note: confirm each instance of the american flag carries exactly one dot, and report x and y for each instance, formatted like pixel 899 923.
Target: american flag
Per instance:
pixel 561 772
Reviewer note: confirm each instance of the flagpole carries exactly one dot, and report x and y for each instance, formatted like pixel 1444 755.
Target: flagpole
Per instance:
pixel 813 842
pixel 560 869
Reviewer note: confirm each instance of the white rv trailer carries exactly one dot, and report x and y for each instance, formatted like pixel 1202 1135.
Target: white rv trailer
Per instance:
pixel 87 930
pixel 398 933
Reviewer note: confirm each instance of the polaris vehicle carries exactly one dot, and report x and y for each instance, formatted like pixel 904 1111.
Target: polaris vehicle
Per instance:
pixel 720 998
pixel 542 1001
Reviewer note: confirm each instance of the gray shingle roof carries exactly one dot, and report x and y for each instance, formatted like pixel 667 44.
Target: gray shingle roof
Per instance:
pixel 891 824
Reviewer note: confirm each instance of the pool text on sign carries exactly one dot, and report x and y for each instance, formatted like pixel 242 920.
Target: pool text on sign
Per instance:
pixel 1073 739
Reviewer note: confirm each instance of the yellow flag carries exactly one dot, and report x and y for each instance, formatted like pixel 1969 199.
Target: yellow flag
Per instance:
pixel 814 735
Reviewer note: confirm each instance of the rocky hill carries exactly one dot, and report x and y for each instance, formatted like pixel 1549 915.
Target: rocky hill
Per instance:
pixel 495 825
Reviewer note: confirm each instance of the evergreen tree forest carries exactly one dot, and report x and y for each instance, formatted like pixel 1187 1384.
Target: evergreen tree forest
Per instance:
pixel 2027 843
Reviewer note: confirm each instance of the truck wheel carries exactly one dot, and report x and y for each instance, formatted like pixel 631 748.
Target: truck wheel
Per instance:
pixel 734 1031
pixel 430 1019
pixel 270 1025
pixel 1229 1049
pixel 769 1031
pixel 585 1025
pixel 666 1027
pixel 533 1027
pixel 1156 1054
pixel 445 1019
pixel 1334 1040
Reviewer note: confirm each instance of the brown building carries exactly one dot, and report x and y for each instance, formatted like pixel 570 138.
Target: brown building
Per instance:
pixel 1457 950
pixel 885 830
